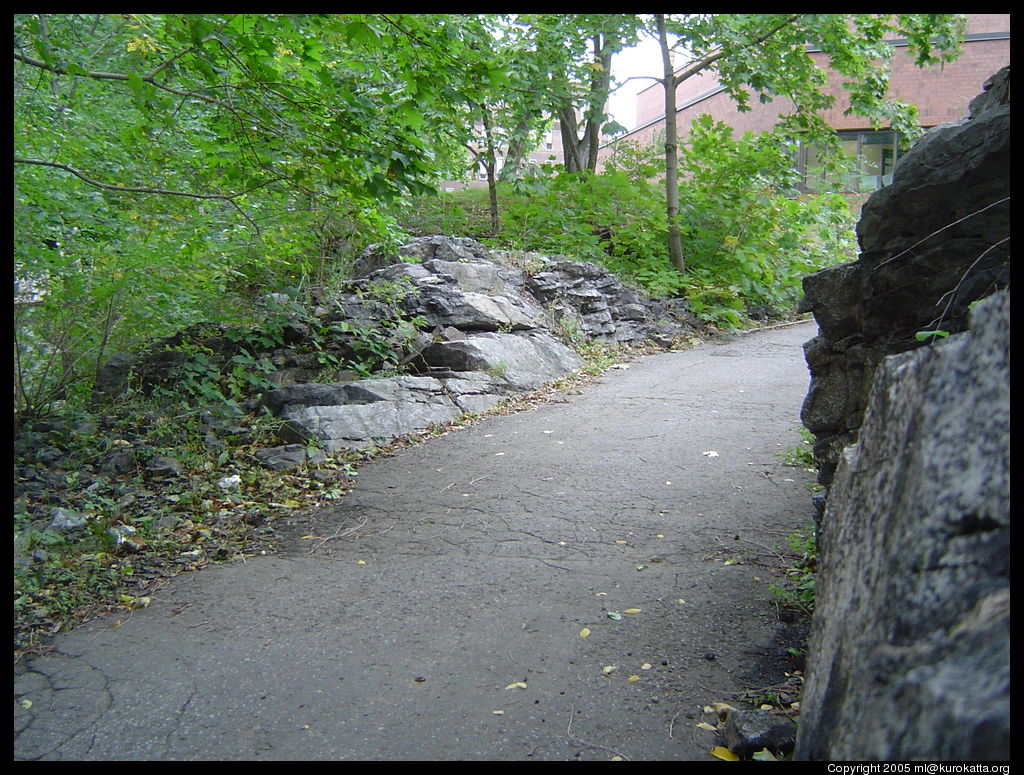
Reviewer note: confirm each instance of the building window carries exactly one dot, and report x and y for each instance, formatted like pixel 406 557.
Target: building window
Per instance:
pixel 875 156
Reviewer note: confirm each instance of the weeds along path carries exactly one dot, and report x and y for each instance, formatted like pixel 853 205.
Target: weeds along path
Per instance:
pixel 571 582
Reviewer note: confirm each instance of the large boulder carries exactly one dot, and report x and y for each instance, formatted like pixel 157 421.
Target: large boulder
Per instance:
pixel 932 242
pixel 359 414
pixel 516 362
pixel 909 656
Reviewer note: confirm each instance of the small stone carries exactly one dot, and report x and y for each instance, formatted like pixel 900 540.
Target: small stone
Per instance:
pixel 161 465
pixel 230 482
pixel 748 731
pixel 67 519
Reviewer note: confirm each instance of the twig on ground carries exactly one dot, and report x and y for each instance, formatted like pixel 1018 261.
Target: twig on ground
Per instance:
pixel 581 741
pixel 337 534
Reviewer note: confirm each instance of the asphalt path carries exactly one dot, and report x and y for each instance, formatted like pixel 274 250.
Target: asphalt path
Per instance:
pixel 439 611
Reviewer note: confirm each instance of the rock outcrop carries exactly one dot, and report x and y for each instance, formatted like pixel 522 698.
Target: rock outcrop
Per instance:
pixel 909 656
pixel 468 326
pixel 932 243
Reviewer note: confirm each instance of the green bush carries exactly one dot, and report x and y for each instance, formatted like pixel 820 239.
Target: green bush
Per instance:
pixel 748 238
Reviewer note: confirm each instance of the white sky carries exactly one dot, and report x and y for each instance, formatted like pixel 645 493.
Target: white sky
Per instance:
pixel 644 59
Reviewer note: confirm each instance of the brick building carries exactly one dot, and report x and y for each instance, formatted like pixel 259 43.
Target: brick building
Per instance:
pixel 941 92
pixel 548 152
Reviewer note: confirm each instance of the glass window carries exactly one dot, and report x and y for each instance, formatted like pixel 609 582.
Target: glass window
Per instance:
pixel 874 154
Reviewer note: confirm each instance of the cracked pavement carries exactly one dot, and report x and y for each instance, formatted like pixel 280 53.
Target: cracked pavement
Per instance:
pixel 405 622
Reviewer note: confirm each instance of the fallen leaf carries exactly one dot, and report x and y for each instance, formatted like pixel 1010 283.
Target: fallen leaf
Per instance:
pixel 659 535
pixel 724 753
pixel 517 685
pixel 360 562
pixel 633 678
pixel 722 709
pixel 498 712
pixel 640 566
pixel 764 755
pixel 609 669
pixel 645 666
pixel 614 615
pixel 26 703
pixel 600 594
pixel 620 542
pixel 707 726
pixel 584 632
pixel 632 610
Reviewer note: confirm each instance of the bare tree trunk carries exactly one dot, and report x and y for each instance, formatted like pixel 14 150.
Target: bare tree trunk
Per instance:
pixel 675 243
pixel 489 165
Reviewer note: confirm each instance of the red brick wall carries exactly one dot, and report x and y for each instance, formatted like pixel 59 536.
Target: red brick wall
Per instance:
pixel 941 92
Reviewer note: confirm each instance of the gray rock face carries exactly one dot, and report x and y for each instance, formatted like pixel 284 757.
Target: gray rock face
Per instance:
pixel 909 655
pixel 492 327
pixel 934 241
pixel 361 413
pixel 517 363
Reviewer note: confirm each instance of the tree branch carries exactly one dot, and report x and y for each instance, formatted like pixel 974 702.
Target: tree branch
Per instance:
pixel 710 59
pixel 229 198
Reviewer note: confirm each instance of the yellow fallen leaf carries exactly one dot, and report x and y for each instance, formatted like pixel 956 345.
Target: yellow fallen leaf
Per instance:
pixel 724 753
pixel 633 678
pixel 498 712
pixel 620 542
pixel 360 562
pixel 517 685
pixel 26 703
pixel 600 594
pixel 722 709
pixel 764 755
pixel 584 632
pixel 766 706
pixel 659 535
pixel 707 726
pixel 615 759
pixel 632 610
pixel 645 666
pixel 609 669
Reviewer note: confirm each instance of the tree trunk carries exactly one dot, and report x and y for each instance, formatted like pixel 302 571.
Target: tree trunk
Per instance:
pixel 489 165
pixel 675 244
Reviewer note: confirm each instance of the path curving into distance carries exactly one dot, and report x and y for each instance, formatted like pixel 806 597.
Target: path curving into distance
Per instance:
pixel 442 621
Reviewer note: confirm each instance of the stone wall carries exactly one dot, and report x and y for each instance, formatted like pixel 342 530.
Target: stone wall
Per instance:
pixel 909 656
pixel 931 243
